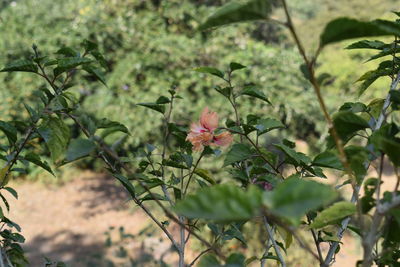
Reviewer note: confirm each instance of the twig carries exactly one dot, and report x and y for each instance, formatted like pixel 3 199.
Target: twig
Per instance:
pixel 314 82
pixel 267 248
pixel 191 174
pixel 182 243
pixel 316 241
pixel 1 258
pixel 165 143
pixel 198 257
pixel 274 244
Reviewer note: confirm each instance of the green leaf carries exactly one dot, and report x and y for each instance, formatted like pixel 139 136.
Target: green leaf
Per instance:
pixel 332 214
pixel 68 63
pixel 265 125
pixel 209 260
pixel 157 107
pixel 395 98
pixel 346 28
pixel 106 123
pixel 206 175
pixel 11 191
pixel 210 70
pixel 35 159
pixel 238 153
pixel 163 100
pixel 366 44
pixel 9 130
pixel 221 203
pixel 357 156
pixel 89 45
pixel 236 66
pixel 354 107
pixel 294 197
pixel 153 196
pixel 150 183
pixel 126 183
pixel 32 112
pixel 79 148
pixel 328 159
pixel 347 124
pixel 235 11
pixel 56 134
pixel 100 58
pixel 225 91
pixel 96 73
pixel 390 146
pixel 3 172
pixel 174 164
pixel 293 157
pixel 254 92
pixel 235 260
pixel 370 77
pixel 68 52
pixel 23 65
pixel 385 52
pixel 5 202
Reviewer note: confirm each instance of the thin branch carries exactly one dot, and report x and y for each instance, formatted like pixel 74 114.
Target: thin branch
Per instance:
pixel 315 238
pixel 182 243
pixel 314 82
pixel 191 174
pixel 165 143
pixel 274 244
pixel 1 258
pixel 198 257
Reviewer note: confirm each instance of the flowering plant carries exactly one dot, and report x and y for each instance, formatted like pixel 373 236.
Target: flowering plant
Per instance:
pixel 203 133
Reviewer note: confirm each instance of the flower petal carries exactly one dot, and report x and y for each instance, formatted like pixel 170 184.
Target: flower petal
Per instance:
pixel 197 128
pixel 223 139
pixel 209 119
pixel 199 140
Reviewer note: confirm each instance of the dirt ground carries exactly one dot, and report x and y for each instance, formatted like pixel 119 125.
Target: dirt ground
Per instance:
pixel 71 223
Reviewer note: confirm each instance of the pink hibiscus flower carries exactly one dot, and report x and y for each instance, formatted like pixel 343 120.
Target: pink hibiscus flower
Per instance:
pixel 202 134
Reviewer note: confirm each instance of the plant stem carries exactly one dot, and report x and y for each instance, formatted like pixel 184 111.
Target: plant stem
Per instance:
pixel 165 143
pixel 182 243
pixel 317 90
pixel 274 244
pixel 315 238
pixel 191 174
pixel 198 257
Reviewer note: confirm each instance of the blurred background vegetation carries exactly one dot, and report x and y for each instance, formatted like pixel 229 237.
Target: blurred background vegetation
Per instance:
pixel 152 46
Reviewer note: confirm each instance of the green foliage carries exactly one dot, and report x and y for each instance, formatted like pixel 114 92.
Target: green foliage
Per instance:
pixel 56 134
pixel 21 65
pixel 221 203
pixel 294 197
pixel 238 153
pixel 79 148
pixel 235 11
pixel 328 159
pixel 345 28
pixel 347 124
pixel 333 214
